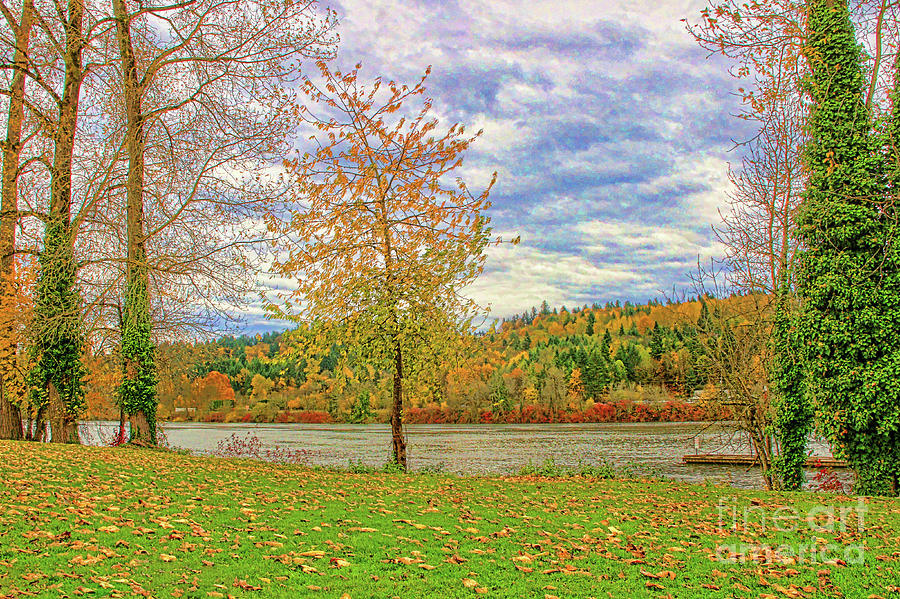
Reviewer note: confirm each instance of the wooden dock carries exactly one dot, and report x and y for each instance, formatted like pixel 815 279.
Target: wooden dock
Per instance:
pixel 724 459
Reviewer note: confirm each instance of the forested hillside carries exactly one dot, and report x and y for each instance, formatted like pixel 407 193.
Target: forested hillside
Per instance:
pixel 592 363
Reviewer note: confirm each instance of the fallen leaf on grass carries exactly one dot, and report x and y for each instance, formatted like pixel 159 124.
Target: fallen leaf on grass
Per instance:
pixel 415 525
pixel 523 558
pixel 246 586
pixel 84 591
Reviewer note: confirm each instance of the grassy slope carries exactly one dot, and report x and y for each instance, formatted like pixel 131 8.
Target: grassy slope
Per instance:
pixel 116 522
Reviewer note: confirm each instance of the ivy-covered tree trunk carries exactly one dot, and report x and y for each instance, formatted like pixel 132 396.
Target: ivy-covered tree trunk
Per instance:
pixel 793 414
pixel 57 371
pixel 138 390
pixel 11 383
pixel 849 309
pixel 891 211
pixel 56 377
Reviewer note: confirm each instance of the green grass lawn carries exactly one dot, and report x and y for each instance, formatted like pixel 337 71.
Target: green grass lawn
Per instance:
pixel 80 521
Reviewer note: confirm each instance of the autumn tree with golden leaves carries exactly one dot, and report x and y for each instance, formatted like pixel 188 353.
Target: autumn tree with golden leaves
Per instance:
pixel 380 245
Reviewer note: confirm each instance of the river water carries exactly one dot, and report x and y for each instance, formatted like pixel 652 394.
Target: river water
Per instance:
pixel 654 448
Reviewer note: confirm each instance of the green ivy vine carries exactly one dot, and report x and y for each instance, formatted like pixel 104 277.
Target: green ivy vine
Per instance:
pixel 58 340
pixel 137 393
pixel 793 413
pixel 848 329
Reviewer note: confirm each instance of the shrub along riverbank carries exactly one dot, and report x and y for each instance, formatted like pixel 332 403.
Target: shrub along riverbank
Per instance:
pixel 619 411
pixel 123 522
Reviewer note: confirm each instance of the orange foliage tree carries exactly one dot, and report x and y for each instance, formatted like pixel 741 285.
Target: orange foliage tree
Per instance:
pixel 15 314
pixel 380 245
pixel 215 386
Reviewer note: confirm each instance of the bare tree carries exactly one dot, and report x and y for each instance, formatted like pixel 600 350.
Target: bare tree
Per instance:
pixel 169 114
pixel 735 332
pixel 211 91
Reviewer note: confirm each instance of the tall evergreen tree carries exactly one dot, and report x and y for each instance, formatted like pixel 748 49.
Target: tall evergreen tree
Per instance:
pixel 657 341
pixel 703 320
pixel 849 314
pixel 595 375
pixel 606 345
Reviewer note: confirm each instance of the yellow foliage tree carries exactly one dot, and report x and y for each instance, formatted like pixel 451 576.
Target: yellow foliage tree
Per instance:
pixel 575 388
pixel 380 245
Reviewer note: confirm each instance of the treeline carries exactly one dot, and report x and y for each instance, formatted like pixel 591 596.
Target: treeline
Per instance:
pixel 590 364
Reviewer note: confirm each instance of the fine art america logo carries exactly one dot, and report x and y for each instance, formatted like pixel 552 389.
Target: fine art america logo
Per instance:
pixel 823 534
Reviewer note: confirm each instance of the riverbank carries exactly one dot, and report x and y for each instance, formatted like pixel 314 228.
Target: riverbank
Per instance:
pixel 619 412
pixel 125 522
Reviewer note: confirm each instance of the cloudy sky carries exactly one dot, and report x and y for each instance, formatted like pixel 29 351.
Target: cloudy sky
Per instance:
pixel 609 127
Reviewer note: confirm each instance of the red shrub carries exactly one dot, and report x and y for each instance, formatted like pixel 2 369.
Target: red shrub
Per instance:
pixel 314 417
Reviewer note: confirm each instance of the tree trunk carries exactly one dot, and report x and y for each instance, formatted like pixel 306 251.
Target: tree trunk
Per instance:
pixel 120 434
pixel 139 372
pixel 141 433
pixel 57 324
pixel 10 416
pixel 764 455
pixel 399 443
pixel 63 427
pixel 39 430
pixel 11 387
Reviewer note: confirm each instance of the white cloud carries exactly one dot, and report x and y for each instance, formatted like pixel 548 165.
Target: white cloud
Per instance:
pixel 604 129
